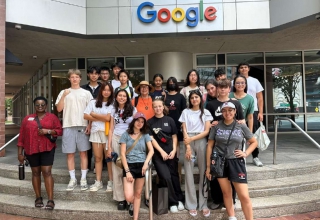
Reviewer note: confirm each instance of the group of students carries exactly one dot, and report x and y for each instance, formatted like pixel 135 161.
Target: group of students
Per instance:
pixel 152 123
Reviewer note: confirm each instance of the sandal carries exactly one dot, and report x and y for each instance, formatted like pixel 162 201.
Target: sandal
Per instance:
pixel 206 212
pixel 193 212
pixel 50 205
pixel 38 202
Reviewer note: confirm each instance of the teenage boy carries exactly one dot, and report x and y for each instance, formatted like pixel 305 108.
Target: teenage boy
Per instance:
pixel 73 101
pixel 93 87
pixel 214 106
pixel 219 74
pixel 255 90
pixel 104 74
pixel 116 67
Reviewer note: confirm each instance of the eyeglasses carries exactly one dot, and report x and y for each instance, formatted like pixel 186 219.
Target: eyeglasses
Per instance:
pixel 38 105
pixel 240 83
pixel 225 111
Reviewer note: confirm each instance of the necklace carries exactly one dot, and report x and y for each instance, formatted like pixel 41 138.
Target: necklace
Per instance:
pixel 145 105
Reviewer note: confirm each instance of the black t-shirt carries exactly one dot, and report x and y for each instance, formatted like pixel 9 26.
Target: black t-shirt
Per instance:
pixel 214 107
pixel 167 126
pixel 176 104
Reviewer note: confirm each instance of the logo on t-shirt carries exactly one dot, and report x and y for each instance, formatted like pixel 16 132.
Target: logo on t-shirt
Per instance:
pixel 217 113
pixel 172 106
pixel 165 124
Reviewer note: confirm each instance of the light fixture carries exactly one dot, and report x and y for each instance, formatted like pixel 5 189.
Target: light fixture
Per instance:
pixel 6 83
pixel 207 38
pixel 63 64
pixel 296 54
pixel 133 41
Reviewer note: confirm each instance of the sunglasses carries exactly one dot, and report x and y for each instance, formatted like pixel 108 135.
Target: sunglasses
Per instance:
pixel 38 105
pixel 196 91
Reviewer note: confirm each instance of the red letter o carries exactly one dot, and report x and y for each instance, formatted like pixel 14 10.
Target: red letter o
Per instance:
pixel 167 12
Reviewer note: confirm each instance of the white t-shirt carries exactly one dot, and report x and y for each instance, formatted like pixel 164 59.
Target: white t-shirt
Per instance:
pixel 116 83
pixel 120 125
pixel 98 125
pixel 192 120
pixel 254 87
pixel 74 105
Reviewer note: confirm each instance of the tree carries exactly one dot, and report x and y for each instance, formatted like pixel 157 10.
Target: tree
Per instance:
pixel 8 106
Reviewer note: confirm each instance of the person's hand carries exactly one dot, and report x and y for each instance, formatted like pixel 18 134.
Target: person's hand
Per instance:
pixel 164 155
pixel 260 117
pixel 240 153
pixel 129 177
pixel 144 169
pixel 92 114
pixel 172 154
pixel 243 121
pixel 208 175
pixel 214 123
pixel 66 92
pixel 188 154
pixel 21 158
pixel 88 129
pixel 41 132
pixel 109 152
pixel 187 140
pixel 163 92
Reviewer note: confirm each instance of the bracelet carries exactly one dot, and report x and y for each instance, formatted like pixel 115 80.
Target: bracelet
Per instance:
pixel 127 171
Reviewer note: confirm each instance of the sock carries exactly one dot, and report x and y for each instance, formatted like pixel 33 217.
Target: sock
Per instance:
pixel 232 218
pixel 72 174
pixel 84 174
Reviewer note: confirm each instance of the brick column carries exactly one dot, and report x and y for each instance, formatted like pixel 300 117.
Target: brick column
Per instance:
pixel 2 73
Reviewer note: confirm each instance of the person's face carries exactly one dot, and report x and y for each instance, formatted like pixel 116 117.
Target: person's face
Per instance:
pixel 123 78
pixel 228 113
pixel 121 97
pixel 40 106
pixel 212 90
pixel 158 82
pixel 240 84
pixel 138 124
pixel 195 99
pixel 158 107
pixel 223 91
pixel 144 90
pixel 93 76
pixel 104 74
pixel 116 70
pixel 220 77
pixel 244 70
pixel 106 92
pixel 193 78
pixel 74 79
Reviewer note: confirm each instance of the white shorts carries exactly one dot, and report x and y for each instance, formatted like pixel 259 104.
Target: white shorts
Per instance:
pixel 74 138
pixel 98 137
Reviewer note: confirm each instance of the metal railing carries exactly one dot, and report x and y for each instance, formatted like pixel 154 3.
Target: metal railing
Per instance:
pixel 4 146
pixel 276 135
pixel 148 189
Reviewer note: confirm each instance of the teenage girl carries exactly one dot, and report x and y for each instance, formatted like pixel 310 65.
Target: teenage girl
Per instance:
pixel 159 92
pixel 124 83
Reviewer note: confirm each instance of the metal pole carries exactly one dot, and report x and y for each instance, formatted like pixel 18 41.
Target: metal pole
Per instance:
pixel 150 195
pixel 275 141
pixel 4 146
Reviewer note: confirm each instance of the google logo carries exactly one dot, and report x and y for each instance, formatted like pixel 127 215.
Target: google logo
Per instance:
pixel 193 14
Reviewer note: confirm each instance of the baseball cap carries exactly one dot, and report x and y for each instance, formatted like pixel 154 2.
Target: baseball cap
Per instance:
pixel 139 115
pixel 228 104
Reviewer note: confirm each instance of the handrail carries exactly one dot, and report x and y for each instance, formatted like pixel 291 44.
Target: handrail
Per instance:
pixel 276 136
pixel 4 146
pixel 148 189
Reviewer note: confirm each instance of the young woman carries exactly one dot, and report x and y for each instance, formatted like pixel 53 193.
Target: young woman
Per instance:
pixel 163 132
pixel 247 101
pixel 38 149
pixel 98 112
pixel 193 83
pixel 211 87
pixel 143 102
pixel 235 164
pixel 124 83
pixel 121 116
pixel 135 163
pixel 196 125
pixel 159 92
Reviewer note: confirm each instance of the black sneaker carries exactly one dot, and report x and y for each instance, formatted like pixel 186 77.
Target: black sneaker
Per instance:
pixel 131 210
pixel 146 202
pixel 122 205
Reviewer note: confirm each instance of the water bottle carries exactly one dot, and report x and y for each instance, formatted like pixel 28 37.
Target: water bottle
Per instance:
pixel 21 171
pixel 193 158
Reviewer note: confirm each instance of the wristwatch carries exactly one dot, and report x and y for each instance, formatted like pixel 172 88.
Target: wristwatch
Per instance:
pixel 49 131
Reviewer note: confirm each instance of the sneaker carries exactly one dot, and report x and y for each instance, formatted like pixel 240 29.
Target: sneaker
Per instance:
pixel 257 162
pixel 180 206
pixel 72 184
pixel 214 206
pixel 122 205
pixel 232 218
pixel 109 186
pixel 174 209
pixel 96 186
pixel 131 210
pixel 83 184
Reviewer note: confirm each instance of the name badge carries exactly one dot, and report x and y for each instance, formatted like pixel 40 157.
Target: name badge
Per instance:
pixel 30 119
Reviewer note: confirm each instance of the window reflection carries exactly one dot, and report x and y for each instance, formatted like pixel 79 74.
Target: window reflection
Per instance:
pixel 312 87
pixel 206 73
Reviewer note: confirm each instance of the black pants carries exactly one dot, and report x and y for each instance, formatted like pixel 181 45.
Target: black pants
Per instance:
pixel 169 177
pixel 216 192
pixel 256 125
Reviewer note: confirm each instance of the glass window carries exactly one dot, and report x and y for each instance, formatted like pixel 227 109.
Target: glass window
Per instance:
pixel 285 125
pixel 63 64
pixel 205 74
pixel 221 59
pixel 99 62
pixel 313 122
pixel 136 76
pixel 283 57
pixel 312 56
pixel 284 89
pixel 251 58
pixel 134 62
pixel 206 60
pixel 312 76
pixel 59 81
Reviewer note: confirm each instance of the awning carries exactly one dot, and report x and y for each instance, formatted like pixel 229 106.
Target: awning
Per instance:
pixel 12 59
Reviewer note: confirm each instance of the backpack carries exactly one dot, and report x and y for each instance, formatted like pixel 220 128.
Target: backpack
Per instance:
pixel 130 88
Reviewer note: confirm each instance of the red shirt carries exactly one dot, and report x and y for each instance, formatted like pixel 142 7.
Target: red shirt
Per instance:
pixel 29 138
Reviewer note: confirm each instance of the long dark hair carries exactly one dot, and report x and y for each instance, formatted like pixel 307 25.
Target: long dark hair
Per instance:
pixel 128 108
pixel 234 83
pixel 143 130
pixel 188 80
pixel 197 92
pixel 100 96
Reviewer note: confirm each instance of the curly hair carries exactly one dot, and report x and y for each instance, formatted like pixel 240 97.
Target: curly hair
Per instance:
pixel 128 108
pixel 143 130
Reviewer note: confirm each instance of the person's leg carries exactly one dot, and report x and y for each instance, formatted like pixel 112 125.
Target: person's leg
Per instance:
pixel 128 190
pixel 98 156
pixel 70 161
pixel 216 193
pixel 173 169
pixel 227 195
pixel 89 154
pixel 36 180
pixel 243 194
pixel 255 153
pixel 109 168
pixel 48 180
pixel 138 186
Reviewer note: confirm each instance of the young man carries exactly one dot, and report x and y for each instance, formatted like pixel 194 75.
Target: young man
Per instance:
pixel 219 74
pixel 104 74
pixel 116 67
pixel 214 106
pixel 93 87
pixel 73 101
pixel 255 90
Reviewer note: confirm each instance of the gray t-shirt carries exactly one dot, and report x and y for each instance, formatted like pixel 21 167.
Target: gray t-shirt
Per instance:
pixel 139 151
pixel 220 134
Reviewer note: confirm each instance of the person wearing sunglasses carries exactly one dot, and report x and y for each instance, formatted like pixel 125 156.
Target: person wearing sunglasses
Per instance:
pixel 34 144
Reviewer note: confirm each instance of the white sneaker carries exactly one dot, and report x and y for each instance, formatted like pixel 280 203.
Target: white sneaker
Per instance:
pixel 72 184
pixel 257 162
pixel 232 218
pixel 83 184
pixel 180 206
pixel 96 186
pixel 174 209
pixel 109 186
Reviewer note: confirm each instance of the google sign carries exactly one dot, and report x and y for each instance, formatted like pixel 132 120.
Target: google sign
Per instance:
pixel 193 14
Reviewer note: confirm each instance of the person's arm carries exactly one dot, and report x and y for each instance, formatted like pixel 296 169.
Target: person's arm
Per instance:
pixel 253 143
pixel 174 147
pixel 149 157
pixel 250 121
pixel 111 129
pixel 199 136
pixel 123 150
pixel 208 157
pixel 155 144
pixel 260 105
pixel 101 117
pixel 60 105
pixel 186 136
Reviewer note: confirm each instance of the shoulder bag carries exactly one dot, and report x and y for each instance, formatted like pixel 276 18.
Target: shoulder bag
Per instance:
pixel 51 138
pixel 119 161
pixel 217 168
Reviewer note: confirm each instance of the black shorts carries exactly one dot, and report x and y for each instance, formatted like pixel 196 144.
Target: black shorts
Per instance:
pixel 235 170
pixel 135 170
pixel 41 159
